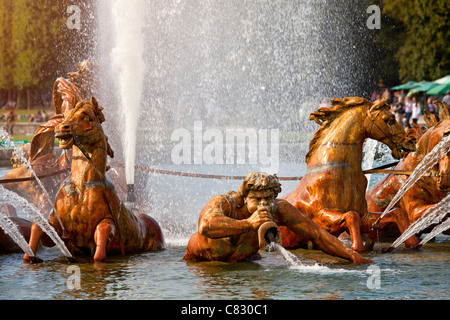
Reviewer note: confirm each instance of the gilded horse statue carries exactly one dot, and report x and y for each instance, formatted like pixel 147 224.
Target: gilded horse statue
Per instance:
pixel 94 219
pixel 431 188
pixel 332 193
pixel 40 154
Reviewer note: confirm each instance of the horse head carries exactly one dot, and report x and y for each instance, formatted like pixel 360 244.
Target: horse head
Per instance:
pixel 82 127
pixel 381 126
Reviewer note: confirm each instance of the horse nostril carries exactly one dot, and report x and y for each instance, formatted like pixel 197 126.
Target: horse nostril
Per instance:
pixel 64 127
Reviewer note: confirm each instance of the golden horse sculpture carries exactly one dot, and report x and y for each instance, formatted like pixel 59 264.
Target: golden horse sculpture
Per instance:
pixel 332 193
pixel 430 189
pixel 66 93
pixel 94 219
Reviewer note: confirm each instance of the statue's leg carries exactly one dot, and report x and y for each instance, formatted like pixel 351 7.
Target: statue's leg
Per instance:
pixel 35 237
pixel 335 222
pixel 398 216
pixel 102 234
pixel 418 212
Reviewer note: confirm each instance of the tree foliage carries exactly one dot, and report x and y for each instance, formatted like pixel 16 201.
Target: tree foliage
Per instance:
pixel 36 46
pixel 423 39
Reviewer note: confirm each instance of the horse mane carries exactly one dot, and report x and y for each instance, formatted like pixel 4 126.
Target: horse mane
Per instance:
pixel 324 116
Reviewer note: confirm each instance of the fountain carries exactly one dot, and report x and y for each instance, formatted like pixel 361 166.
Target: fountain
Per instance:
pixel 128 64
pixel 228 65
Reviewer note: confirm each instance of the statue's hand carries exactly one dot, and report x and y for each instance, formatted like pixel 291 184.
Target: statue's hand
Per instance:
pixel 259 217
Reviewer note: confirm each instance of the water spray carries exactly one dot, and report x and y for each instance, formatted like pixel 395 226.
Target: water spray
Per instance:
pixel 130 193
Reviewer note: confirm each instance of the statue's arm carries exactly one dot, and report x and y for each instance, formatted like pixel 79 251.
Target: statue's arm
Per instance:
pixel 214 221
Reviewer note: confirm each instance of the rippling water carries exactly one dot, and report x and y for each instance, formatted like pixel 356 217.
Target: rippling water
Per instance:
pixel 403 274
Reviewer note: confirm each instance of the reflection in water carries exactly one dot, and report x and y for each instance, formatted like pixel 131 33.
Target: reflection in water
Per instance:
pixel 236 281
pixel 405 274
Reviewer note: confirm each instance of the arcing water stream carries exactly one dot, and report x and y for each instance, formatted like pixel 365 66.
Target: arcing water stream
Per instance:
pixel 32 212
pixel 296 264
pixel 434 214
pixel 442 148
pixel 13 231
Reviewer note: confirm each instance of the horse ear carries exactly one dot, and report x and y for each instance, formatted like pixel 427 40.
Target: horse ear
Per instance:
pixel 97 110
pixel 378 105
pixel 94 103
pixel 430 119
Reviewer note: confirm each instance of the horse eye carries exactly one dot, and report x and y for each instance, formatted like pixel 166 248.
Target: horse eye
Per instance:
pixel 86 118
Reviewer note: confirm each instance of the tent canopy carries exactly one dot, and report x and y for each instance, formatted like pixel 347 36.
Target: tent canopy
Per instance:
pixel 407 85
pixel 424 87
pixel 444 80
pixel 439 89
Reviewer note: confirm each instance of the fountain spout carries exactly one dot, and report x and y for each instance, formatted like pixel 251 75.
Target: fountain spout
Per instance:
pixel 268 232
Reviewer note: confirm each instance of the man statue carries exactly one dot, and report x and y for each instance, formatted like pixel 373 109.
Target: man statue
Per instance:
pixel 228 224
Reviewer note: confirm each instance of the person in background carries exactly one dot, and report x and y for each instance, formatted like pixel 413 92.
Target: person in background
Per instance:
pixel 415 107
pixel 408 112
pixel 10 120
pixel 399 110
pixel 387 95
pixel 446 98
pixel 432 108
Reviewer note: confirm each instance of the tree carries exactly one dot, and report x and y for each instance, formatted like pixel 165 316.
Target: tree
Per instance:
pixel 6 56
pixel 423 52
pixel 34 43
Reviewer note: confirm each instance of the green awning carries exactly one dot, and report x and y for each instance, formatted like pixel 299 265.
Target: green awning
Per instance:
pixel 443 80
pixel 439 89
pixel 407 85
pixel 423 87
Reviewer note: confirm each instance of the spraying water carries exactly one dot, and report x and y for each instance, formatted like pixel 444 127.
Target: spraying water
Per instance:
pixel 34 215
pixel 6 137
pixel 13 231
pixel 438 229
pixel 128 64
pixel 441 149
pixel 226 63
pixel 296 264
pixel 433 215
pixel 370 149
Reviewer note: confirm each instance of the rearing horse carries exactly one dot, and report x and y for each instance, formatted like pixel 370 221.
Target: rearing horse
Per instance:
pixel 93 217
pixel 333 189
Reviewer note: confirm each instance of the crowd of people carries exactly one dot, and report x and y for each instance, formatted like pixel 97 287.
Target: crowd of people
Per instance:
pixel 408 109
